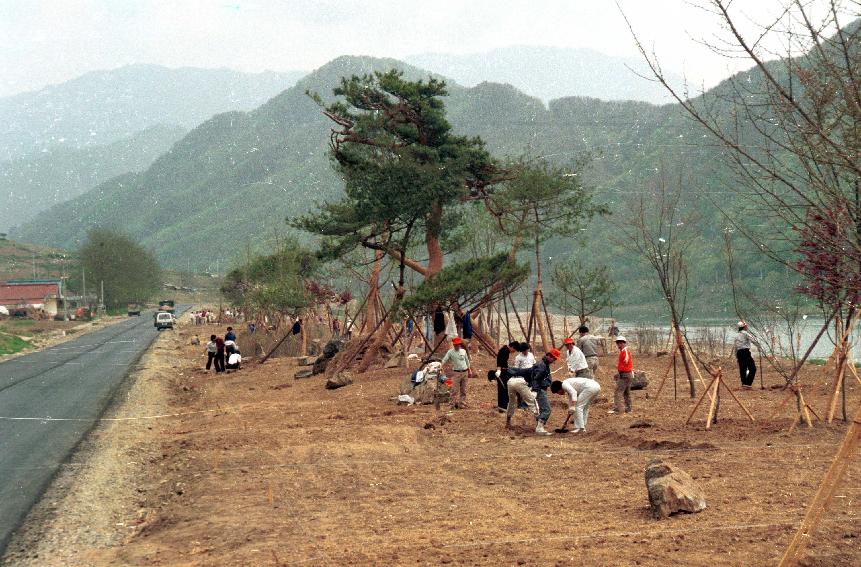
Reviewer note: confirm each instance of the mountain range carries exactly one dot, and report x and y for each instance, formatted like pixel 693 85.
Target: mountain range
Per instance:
pixel 104 106
pixel 552 72
pixel 231 181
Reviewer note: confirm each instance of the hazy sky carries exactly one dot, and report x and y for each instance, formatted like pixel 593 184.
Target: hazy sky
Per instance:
pixel 50 41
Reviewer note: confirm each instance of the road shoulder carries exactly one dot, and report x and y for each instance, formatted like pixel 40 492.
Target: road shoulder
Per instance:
pixel 96 500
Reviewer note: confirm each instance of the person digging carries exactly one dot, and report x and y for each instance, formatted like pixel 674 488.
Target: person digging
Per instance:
pixel 530 385
pixel 580 391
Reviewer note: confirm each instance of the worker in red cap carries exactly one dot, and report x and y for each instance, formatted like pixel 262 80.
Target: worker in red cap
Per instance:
pixel 459 360
pixel 538 379
pixel 576 360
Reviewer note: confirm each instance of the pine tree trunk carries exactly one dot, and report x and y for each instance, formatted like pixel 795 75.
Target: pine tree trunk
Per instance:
pixel 373 292
pixel 435 255
pixel 373 351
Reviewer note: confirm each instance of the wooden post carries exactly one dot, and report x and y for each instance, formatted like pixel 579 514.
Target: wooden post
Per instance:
pixel 699 401
pixel 303 337
pixel 824 494
pixel 667 371
pixel 843 350
pixel 713 404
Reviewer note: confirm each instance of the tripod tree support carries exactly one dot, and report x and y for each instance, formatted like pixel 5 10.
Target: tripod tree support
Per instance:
pixel 825 493
pixel 843 349
pixel 715 384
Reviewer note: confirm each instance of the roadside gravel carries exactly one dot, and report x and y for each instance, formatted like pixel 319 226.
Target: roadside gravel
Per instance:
pixel 95 502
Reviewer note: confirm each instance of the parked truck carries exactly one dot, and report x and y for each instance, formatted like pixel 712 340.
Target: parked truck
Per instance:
pixel 166 305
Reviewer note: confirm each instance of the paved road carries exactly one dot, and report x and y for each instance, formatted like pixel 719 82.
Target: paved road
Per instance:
pixel 49 400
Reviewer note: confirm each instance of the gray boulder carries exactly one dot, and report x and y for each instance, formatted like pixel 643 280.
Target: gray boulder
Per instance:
pixel 672 490
pixel 339 380
pixel 640 380
pixel 329 351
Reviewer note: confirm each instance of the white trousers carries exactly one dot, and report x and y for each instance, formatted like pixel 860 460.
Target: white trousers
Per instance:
pixel 518 391
pixel 586 389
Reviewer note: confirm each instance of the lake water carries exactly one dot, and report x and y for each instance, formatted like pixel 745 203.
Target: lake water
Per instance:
pixel 805 334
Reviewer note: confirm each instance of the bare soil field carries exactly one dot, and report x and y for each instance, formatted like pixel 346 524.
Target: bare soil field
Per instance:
pixel 256 468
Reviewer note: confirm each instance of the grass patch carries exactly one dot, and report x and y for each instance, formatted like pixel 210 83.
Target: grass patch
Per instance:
pixel 816 361
pixel 10 344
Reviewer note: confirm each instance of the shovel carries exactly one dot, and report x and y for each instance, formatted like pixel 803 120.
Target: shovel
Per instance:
pixel 563 428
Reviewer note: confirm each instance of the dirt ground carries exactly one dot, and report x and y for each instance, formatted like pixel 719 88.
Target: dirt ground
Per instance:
pixel 256 468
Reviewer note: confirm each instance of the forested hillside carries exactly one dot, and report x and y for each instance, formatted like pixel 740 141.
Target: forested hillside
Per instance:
pixel 58 173
pixel 235 178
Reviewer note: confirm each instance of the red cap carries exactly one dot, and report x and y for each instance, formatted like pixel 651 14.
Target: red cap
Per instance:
pixel 568 341
pixel 554 352
pixel 457 341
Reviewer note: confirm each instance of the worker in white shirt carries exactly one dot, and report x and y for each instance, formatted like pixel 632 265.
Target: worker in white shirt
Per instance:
pixel 580 392
pixel 524 358
pixel 576 360
pixel 234 360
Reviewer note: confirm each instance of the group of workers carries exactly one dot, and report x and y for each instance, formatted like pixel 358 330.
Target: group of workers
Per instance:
pixel 224 352
pixel 525 383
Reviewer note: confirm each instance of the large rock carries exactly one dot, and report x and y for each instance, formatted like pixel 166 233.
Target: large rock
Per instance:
pixel 339 380
pixel 329 351
pixel 397 360
pixel 672 490
pixel 304 373
pixel 640 380
pixel 423 392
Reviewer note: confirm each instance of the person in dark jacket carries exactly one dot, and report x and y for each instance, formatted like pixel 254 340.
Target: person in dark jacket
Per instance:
pixel 230 335
pixel 219 354
pixel 539 379
pixel 501 376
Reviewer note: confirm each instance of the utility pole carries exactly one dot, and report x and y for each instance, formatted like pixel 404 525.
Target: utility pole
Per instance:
pixel 84 285
pixel 102 298
pixel 34 265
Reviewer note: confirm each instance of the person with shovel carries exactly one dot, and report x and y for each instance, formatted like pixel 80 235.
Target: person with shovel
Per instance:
pixel 581 391
pixel 538 380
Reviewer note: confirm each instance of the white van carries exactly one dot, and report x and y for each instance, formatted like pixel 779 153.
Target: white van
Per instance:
pixel 163 321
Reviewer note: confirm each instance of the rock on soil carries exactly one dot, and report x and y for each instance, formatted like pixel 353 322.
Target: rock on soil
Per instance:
pixel 640 380
pixel 397 360
pixel 329 351
pixel 672 490
pixel 339 380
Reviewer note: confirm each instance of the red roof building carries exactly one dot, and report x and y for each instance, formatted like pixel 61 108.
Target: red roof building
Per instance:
pixel 29 293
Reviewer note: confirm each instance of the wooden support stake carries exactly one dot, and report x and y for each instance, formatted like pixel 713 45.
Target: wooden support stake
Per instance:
pixel 738 401
pixel 710 415
pixel 667 372
pixel 824 494
pixel 699 401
